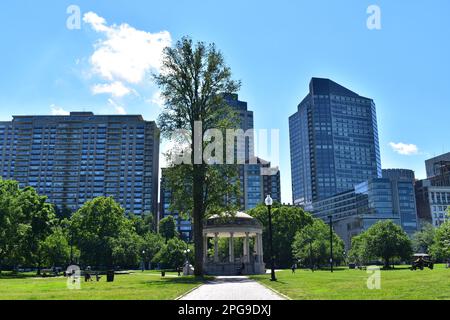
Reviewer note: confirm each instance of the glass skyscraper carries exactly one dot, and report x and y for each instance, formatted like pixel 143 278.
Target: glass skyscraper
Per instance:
pixel 75 158
pixel 334 142
pixel 388 198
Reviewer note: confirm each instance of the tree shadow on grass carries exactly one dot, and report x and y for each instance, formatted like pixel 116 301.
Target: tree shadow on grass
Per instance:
pixel 179 280
pixel 12 276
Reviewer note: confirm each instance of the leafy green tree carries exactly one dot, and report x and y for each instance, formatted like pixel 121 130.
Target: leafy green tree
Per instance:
pixel 192 81
pixel 287 221
pixel 358 253
pixel 424 239
pixel 150 245
pixel 143 224
pixel 168 228
pixel 312 244
pixel 125 248
pixel 171 255
pixel 441 246
pixel 97 227
pixel 385 240
pixel 12 223
pixel 26 220
pixel 39 217
pixel 56 249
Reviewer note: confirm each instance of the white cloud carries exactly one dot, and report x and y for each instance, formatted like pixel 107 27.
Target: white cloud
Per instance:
pixel 118 109
pixel 116 89
pixel 58 111
pixel 404 149
pixel 157 99
pixel 125 53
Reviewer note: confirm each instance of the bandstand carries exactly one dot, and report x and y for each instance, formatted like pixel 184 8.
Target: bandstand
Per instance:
pixel 239 225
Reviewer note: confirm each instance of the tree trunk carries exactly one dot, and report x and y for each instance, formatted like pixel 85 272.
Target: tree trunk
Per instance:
pixel 198 214
pixel 386 263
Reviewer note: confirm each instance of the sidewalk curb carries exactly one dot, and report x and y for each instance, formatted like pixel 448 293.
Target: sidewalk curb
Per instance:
pixel 188 292
pixel 273 290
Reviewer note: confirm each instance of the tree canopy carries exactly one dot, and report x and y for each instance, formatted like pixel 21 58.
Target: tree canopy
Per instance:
pixel 384 240
pixel 99 227
pixel 286 221
pixel 312 245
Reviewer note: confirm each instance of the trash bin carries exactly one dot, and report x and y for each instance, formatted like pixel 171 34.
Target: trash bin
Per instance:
pixel 352 266
pixel 110 276
pixel 163 273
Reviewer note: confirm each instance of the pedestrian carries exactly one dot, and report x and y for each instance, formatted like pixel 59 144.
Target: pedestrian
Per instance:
pixel 294 267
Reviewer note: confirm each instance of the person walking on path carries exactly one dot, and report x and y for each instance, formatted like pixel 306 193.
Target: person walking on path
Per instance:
pixel 294 267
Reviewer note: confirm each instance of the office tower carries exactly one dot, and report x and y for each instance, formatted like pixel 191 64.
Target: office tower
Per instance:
pixel 356 210
pixel 433 193
pixel 433 202
pixel 75 158
pixel 334 142
pixel 436 166
pixel 403 197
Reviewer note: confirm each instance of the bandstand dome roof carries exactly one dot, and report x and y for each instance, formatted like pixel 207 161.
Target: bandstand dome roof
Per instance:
pixel 238 223
pixel 241 215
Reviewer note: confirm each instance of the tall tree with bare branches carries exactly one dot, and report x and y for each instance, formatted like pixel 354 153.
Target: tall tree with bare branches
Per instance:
pixel 192 80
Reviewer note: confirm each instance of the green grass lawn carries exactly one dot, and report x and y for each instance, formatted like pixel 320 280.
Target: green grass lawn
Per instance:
pixel 345 284
pixel 134 286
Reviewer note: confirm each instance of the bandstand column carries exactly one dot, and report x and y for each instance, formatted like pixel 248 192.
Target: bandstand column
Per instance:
pixel 247 247
pixel 205 248
pixel 216 247
pixel 261 250
pixel 257 246
pixel 231 247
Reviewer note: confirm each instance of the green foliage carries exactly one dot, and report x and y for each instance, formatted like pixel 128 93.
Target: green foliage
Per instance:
pixel 150 245
pixel 26 220
pixel 424 239
pixel 125 249
pixel 100 228
pixel 171 255
pixel 384 240
pixel 168 228
pixel 441 247
pixel 56 249
pixel 359 253
pixel 312 245
pixel 143 224
pixel 286 222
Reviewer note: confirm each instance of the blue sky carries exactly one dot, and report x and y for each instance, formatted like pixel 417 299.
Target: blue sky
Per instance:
pixel 274 47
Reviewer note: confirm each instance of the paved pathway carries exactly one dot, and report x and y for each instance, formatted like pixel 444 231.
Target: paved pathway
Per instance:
pixel 232 288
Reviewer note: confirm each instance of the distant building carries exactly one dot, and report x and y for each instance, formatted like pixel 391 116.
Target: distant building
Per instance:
pixel 438 165
pixel 433 193
pixel 433 202
pixel 334 142
pixel 75 158
pixel 388 198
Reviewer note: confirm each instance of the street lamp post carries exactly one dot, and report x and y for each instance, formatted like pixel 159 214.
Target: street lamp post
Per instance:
pixel 143 260
pixel 186 264
pixel 269 203
pixel 331 242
